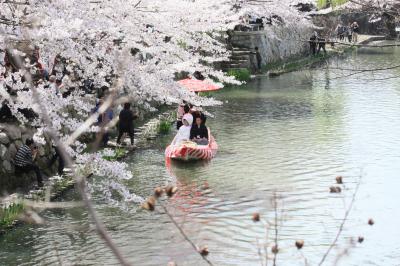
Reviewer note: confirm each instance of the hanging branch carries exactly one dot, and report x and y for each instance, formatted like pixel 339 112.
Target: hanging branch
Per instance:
pixel 339 232
pixel 275 248
pixel 183 233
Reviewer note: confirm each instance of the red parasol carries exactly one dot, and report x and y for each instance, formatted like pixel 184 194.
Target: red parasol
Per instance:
pixel 196 85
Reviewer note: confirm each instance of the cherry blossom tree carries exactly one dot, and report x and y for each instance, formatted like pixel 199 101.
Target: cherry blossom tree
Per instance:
pixel 136 50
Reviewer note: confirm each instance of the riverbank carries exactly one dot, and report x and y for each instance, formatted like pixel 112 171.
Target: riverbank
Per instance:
pixel 298 63
pixel 12 206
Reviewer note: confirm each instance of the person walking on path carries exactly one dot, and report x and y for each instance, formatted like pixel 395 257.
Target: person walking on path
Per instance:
pixel 349 33
pixel 355 29
pixel 24 160
pixel 126 118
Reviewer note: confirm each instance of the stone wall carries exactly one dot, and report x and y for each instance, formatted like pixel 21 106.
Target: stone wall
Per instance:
pixel 11 138
pixel 275 43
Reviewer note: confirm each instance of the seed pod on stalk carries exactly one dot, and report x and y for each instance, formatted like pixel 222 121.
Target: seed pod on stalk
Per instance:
pixel 339 179
pixel 299 244
pixel 256 217
pixel 170 190
pixel 158 192
pixel 149 204
pixel 203 251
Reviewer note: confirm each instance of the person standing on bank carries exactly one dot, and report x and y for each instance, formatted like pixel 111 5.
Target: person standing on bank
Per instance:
pixel 126 118
pixel 349 33
pixel 24 160
pixel 356 29
pixel 259 59
pixel 313 43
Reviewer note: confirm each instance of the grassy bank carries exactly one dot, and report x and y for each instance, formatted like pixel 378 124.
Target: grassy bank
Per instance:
pixel 298 63
pixel 9 216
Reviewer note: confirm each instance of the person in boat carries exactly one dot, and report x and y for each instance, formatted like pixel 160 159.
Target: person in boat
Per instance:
pixel 126 117
pixel 199 131
pixel 186 110
pixel 182 110
pixel 184 131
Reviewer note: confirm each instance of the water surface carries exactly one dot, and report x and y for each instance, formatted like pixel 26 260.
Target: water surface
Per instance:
pixel 288 136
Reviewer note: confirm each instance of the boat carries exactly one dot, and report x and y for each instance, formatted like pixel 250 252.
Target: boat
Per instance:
pixel 191 151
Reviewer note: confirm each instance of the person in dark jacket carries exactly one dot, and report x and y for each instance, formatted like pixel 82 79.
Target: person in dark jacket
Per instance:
pixel 24 160
pixel 126 118
pixel 199 132
pixel 313 43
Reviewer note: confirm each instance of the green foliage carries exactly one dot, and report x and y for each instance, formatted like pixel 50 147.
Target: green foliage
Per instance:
pixel 119 152
pixel 242 74
pixel 10 214
pixel 325 3
pixel 164 127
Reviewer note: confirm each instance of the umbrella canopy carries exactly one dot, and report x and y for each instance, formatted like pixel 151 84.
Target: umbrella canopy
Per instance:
pixel 196 85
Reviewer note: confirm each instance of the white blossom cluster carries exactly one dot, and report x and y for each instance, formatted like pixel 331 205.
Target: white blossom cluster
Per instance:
pixel 143 43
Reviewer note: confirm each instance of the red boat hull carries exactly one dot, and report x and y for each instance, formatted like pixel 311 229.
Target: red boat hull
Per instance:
pixel 186 152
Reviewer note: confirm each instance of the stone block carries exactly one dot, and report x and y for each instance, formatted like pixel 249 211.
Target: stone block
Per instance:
pixel 8 167
pixel 4 138
pixel 25 137
pixel 3 150
pixel 13 132
pixel 12 150
pixel 41 151
pixel 18 144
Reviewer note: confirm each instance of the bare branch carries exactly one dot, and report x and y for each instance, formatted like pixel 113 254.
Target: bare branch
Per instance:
pixel 339 232
pixel 183 233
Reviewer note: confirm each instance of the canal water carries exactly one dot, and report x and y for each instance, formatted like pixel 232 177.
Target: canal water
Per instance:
pixel 282 141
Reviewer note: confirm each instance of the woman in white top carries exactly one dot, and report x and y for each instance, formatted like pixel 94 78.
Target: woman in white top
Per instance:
pixel 184 131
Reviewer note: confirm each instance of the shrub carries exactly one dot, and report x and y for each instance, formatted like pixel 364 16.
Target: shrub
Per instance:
pixel 119 152
pixel 10 214
pixel 164 127
pixel 242 74
pixel 325 3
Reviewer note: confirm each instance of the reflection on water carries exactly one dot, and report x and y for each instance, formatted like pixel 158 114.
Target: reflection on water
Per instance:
pixel 290 135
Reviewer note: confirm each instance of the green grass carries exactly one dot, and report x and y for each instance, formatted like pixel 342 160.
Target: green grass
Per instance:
pixel 294 64
pixel 119 152
pixel 10 214
pixel 325 3
pixel 164 127
pixel 242 74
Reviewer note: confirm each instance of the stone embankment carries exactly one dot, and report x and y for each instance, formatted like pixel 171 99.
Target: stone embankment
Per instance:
pixel 275 44
pixel 11 138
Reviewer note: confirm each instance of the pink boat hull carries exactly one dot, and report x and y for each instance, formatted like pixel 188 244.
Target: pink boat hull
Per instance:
pixel 189 153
